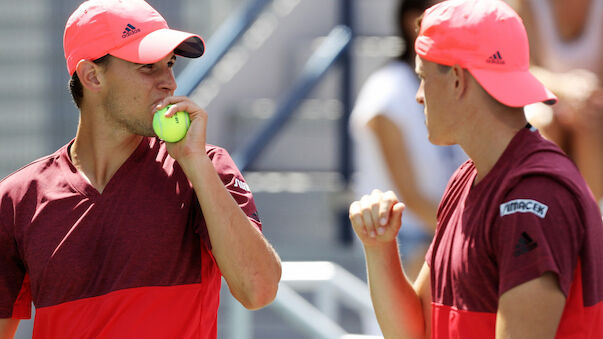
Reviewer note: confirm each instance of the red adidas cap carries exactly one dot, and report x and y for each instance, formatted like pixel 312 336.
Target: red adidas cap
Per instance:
pixel 127 29
pixel 487 38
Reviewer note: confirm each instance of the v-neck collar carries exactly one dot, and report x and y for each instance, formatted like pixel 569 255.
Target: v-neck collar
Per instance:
pixel 77 180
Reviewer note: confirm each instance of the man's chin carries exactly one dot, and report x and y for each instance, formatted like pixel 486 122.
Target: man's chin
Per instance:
pixel 434 140
pixel 438 142
pixel 144 132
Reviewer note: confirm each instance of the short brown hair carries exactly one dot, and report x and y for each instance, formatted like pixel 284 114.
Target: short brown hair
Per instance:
pixel 75 85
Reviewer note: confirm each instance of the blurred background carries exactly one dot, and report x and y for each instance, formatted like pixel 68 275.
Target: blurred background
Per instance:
pixel 270 67
pixel 279 80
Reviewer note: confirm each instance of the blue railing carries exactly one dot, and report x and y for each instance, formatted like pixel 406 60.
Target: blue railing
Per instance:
pixel 220 42
pixel 316 67
pixel 345 145
pixel 333 50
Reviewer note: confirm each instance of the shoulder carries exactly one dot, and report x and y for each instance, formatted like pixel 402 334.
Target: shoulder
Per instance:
pixel 539 226
pixel 537 194
pixel 391 89
pixel 556 166
pixel 539 183
pixel 24 185
pixel 459 181
pixel 533 156
pixel 393 73
pixel 223 162
pixel 392 77
pixel 34 171
pixel 218 155
pixel 213 150
pixel 463 174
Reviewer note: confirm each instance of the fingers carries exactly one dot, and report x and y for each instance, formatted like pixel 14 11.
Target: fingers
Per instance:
pixel 376 216
pixel 388 200
pixel 194 142
pixel 397 211
pixel 181 103
pixel 366 205
pixel 356 218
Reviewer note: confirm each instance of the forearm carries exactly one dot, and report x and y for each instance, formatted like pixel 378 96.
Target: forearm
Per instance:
pixel 8 327
pixel 397 305
pixel 249 264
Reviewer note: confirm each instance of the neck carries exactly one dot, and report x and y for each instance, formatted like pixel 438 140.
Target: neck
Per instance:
pixel 489 136
pixel 99 151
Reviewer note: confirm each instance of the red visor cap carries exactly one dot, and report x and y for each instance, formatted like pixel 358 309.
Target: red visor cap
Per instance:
pixel 127 29
pixel 487 38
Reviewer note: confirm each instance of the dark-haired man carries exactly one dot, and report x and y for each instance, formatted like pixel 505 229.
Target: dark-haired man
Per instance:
pixel 118 234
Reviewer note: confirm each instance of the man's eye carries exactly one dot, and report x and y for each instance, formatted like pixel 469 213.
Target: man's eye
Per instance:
pixel 171 64
pixel 148 66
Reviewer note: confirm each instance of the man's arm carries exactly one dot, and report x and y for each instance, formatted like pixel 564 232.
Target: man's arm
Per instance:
pixel 8 327
pixel 249 264
pixel 403 311
pixel 531 310
pixel 247 261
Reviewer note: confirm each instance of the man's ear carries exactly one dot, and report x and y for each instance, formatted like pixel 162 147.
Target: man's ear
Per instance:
pixel 459 81
pixel 90 75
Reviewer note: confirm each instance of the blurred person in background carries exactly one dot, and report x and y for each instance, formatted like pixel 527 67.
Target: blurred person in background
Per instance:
pixel 566 45
pixel 392 151
pixel 119 234
pixel 517 250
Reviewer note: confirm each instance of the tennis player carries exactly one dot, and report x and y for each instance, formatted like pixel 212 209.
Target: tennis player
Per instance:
pixel 517 251
pixel 118 234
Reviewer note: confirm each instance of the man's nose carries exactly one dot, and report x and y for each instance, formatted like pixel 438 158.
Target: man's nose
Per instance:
pixel 420 97
pixel 168 80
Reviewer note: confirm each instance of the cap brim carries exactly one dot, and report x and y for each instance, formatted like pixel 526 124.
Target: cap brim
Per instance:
pixel 158 44
pixel 515 89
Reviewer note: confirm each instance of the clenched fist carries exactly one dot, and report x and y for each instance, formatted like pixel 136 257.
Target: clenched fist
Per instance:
pixel 377 217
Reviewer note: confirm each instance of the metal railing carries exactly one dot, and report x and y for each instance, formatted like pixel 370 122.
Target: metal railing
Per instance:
pixel 218 45
pixel 330 286
pixel 316 67
pixel 333 49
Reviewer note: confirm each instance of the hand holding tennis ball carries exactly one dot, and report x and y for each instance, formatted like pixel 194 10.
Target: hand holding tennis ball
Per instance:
pixel 171 129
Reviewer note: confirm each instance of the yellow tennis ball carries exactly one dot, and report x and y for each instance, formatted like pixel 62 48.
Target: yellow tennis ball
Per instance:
pixel 171 129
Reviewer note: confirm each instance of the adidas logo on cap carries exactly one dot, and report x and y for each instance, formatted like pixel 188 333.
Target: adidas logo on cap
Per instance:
pixel 496 58
pixel 130 30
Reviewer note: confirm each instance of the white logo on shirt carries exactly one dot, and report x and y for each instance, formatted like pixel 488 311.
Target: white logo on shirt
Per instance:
pixel 242 185
pixel 524 206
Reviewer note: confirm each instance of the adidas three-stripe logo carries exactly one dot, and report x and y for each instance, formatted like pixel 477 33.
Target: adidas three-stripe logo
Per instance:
pixel 130 30
pixel 524 245
pixel 496 58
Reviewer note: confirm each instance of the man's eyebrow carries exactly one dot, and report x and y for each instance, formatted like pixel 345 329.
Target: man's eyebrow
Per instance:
pixel 173 58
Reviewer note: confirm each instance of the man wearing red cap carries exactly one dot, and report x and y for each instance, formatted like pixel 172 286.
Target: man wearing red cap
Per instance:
pixel 119 234
pixel 517 251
